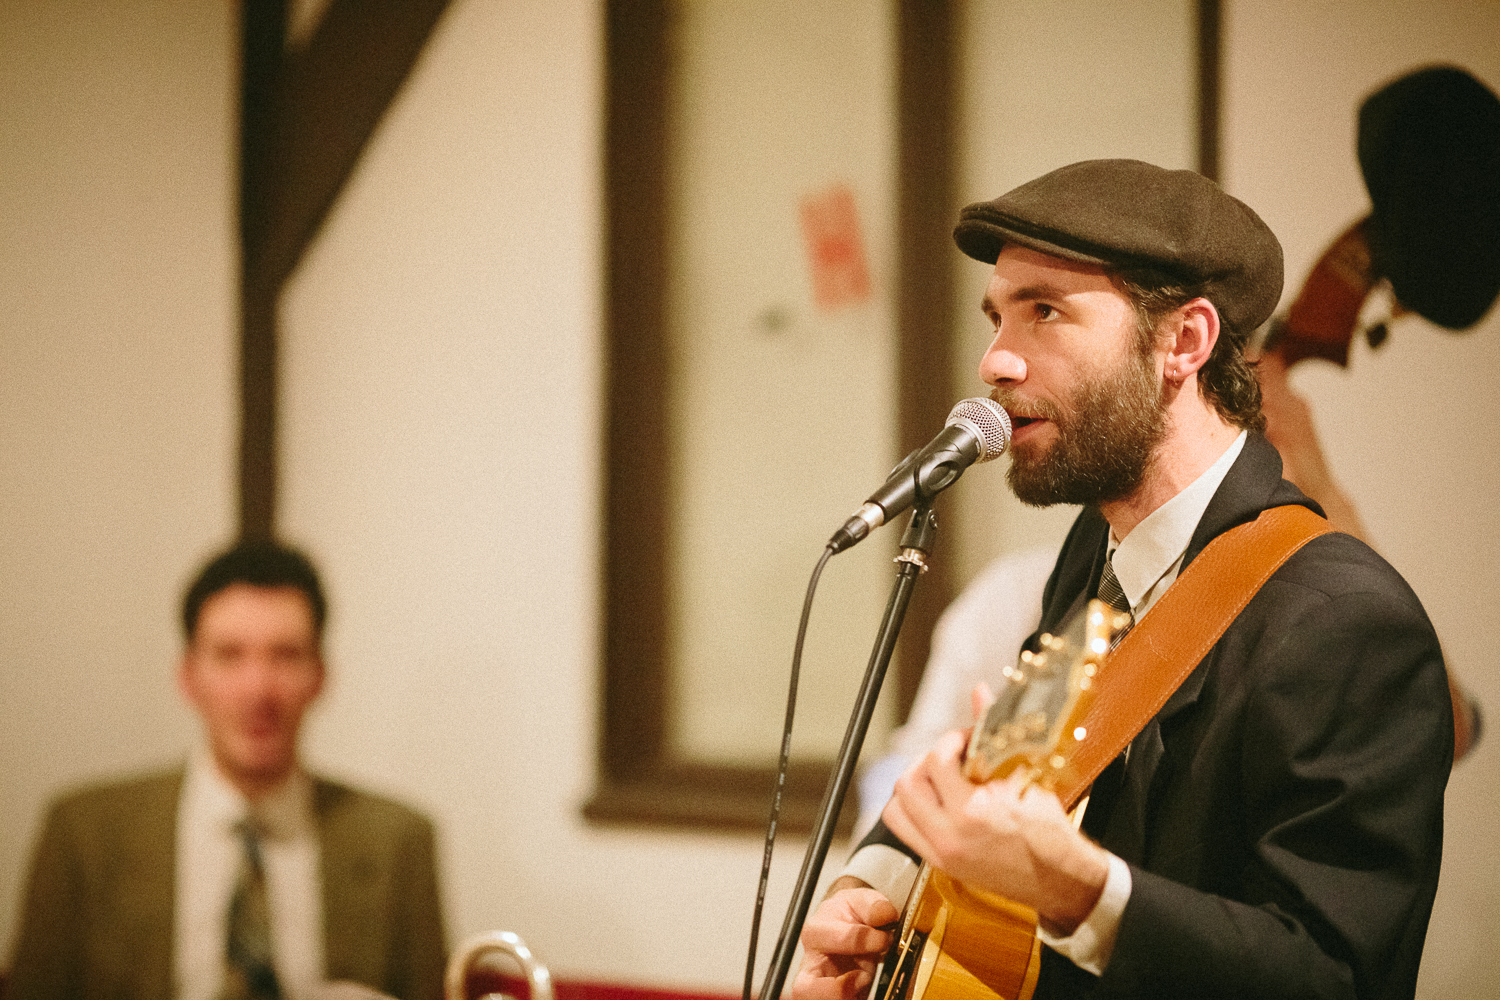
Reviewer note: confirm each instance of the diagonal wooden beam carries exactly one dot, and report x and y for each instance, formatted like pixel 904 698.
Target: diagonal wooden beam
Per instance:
pixel 306 118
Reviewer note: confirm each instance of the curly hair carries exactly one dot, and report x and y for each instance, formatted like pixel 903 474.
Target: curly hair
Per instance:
pixel 1227 379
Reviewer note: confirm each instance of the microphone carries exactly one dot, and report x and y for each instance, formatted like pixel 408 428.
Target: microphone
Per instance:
pixel 977 430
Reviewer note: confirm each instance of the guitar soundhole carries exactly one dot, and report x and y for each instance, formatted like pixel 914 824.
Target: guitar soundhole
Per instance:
pixel 897 972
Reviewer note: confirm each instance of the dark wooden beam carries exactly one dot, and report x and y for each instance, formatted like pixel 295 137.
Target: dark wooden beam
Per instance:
pixel 926 86
pixel 305 120
pixel 637 539
pixel 1210 36
pixel 263 44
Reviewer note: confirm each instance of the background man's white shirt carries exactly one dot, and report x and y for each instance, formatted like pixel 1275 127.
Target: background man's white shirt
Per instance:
pixel 208 863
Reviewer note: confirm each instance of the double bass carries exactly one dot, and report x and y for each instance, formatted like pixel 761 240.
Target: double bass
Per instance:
pixel 1429 152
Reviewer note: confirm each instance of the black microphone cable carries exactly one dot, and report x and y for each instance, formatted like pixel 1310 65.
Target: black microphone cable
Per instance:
pixel 786 748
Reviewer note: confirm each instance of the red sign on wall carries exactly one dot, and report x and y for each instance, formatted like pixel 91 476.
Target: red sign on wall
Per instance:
pixel 836 253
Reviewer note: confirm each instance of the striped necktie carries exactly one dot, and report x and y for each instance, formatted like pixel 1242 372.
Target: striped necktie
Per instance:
pixel 1111 593
pixel 1106 787
pixel 248 971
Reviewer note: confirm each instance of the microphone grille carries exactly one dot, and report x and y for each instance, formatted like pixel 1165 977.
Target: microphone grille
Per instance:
pixel 989 422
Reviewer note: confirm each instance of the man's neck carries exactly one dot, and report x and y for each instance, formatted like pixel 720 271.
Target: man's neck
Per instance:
pixel 1196 437
pixel 254 787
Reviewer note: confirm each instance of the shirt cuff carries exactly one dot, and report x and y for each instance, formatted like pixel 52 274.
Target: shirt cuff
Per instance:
pixel 1090 946
pixel 886 870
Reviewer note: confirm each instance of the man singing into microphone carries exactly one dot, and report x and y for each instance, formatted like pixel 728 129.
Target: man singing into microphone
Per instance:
pixel 1276 829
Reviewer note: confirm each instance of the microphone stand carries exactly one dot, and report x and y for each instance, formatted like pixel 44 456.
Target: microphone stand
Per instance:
pixel 916 544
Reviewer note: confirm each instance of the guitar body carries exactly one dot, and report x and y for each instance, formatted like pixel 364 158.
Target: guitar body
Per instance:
pixel 972 945
pixel 959 943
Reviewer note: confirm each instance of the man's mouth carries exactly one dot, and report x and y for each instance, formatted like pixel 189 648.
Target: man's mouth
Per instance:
pixel 1025 417
pixel 1022 426
pixel 262 725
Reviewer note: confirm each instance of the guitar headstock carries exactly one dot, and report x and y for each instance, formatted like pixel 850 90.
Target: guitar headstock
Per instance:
pixel 1033 721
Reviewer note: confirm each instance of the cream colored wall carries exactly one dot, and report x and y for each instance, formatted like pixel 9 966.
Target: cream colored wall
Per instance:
pixel 117 396
pixel 442 405
pixel 441 454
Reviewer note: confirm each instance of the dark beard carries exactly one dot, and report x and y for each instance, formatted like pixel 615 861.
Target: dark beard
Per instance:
pixel 1104 445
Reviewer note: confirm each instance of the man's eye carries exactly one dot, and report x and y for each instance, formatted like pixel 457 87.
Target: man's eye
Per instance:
pixel 1044 311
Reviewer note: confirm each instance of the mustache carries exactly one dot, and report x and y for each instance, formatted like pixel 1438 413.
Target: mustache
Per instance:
pixel 1026 409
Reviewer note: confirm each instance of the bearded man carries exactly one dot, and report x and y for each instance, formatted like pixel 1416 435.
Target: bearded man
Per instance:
pixel 1276 829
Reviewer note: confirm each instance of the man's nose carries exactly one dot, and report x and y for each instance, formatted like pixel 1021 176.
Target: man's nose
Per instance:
pixel 1001 366
pixel 262 673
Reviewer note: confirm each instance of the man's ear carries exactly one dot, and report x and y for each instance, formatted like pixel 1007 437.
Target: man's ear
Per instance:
pixel 184 677
pixel 322 674
pixel 1194 333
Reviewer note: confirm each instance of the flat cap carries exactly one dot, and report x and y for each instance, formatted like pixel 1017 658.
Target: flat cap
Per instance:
pixel 1126 214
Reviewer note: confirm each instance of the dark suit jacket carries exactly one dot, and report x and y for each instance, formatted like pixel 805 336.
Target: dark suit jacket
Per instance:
pixel 98 917
pixel 1282 814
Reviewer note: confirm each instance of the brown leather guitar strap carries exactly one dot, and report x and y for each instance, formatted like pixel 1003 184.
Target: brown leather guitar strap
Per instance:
pixel 1176 634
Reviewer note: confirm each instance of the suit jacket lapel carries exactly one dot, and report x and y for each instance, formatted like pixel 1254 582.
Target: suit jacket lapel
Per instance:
pixel 355 886
pixel 1252 485
pixel 147 865
pixel 1076 575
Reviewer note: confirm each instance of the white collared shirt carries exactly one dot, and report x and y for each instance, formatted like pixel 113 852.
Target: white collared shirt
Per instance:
pixel 1147 563
pixel 208 863
pixel 1148 560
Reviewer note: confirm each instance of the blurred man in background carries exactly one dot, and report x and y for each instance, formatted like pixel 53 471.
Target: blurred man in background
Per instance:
pixel 240 874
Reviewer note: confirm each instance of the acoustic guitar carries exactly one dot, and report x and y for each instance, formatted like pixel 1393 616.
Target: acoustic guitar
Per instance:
pixel 958 943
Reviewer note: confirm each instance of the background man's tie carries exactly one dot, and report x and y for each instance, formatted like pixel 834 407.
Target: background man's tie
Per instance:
pixel 248 972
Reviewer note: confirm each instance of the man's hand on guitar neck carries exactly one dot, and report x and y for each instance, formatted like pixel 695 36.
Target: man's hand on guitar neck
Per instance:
pixel 1006 836
pixel 843 941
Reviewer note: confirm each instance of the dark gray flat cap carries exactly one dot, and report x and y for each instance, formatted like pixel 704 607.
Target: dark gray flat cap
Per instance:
pixel 1125 214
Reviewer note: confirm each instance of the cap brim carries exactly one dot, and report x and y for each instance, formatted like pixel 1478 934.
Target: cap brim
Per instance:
pixel 982 235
